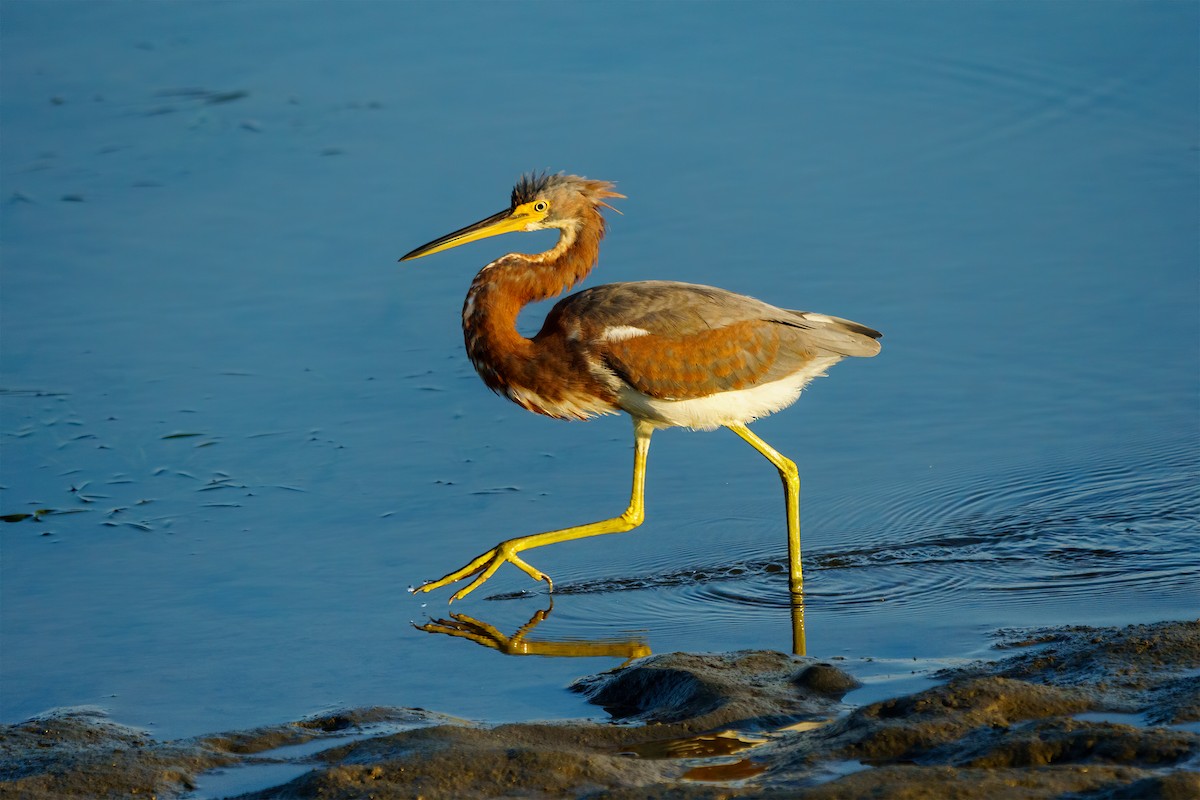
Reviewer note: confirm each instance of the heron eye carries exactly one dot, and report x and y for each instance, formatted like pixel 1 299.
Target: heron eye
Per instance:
pixel 540 205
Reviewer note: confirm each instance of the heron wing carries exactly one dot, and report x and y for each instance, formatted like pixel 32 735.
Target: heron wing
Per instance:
pixel 677 341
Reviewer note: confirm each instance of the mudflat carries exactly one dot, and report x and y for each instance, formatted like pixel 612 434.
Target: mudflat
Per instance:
pixel 1065 711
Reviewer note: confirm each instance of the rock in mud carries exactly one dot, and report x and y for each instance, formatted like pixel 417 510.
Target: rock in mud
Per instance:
pixel 78 753
pixel 706 691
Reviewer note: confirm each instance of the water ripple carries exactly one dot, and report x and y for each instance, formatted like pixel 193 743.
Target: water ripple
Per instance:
pixel 1018 538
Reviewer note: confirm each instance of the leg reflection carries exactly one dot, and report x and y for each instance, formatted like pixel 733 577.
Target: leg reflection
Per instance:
pixel 799 646
pixel 463 626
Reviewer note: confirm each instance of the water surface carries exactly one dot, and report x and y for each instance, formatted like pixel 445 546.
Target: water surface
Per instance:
pixel 242 431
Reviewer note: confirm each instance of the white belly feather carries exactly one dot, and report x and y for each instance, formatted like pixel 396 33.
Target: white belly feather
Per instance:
pixel 713 411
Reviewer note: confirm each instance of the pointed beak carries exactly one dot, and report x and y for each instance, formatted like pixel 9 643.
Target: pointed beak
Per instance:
pixel 506 221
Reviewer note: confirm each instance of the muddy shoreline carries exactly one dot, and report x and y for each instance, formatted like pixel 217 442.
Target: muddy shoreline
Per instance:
pixel 1061 712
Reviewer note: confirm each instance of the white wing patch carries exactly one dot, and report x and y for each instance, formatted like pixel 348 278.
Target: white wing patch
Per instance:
pixel 619 333
pixel 809 315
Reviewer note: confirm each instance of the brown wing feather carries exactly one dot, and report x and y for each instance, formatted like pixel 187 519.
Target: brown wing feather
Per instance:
pixel 737 356
pixel 699 340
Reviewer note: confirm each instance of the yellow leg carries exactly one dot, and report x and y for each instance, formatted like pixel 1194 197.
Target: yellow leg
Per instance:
pixel 791 495
pixel 485 566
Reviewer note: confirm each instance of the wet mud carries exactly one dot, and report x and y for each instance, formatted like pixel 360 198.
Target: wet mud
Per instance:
pixel 1064 712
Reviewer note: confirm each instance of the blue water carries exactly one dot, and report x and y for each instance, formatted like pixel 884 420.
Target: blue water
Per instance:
pixel 248 430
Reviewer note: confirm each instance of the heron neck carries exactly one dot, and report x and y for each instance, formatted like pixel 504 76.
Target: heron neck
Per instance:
pixel 504 287
pixel 568 262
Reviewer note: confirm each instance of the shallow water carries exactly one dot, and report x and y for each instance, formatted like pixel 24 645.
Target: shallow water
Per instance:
pixel 244 431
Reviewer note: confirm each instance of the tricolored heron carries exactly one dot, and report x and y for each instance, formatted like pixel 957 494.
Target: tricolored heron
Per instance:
pixel 668 354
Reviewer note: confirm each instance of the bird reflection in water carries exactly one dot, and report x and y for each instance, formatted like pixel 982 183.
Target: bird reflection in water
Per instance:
pixel 668 354
pixel 464 626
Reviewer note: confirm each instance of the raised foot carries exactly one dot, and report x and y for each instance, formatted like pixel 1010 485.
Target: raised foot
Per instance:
pixel 483 567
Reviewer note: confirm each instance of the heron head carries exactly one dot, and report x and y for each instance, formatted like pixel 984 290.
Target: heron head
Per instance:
pixel 539 201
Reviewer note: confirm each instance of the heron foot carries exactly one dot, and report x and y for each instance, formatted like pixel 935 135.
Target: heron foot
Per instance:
pixel 483 567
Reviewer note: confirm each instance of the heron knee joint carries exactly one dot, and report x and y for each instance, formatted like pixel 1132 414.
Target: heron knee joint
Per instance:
pixel 788 471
